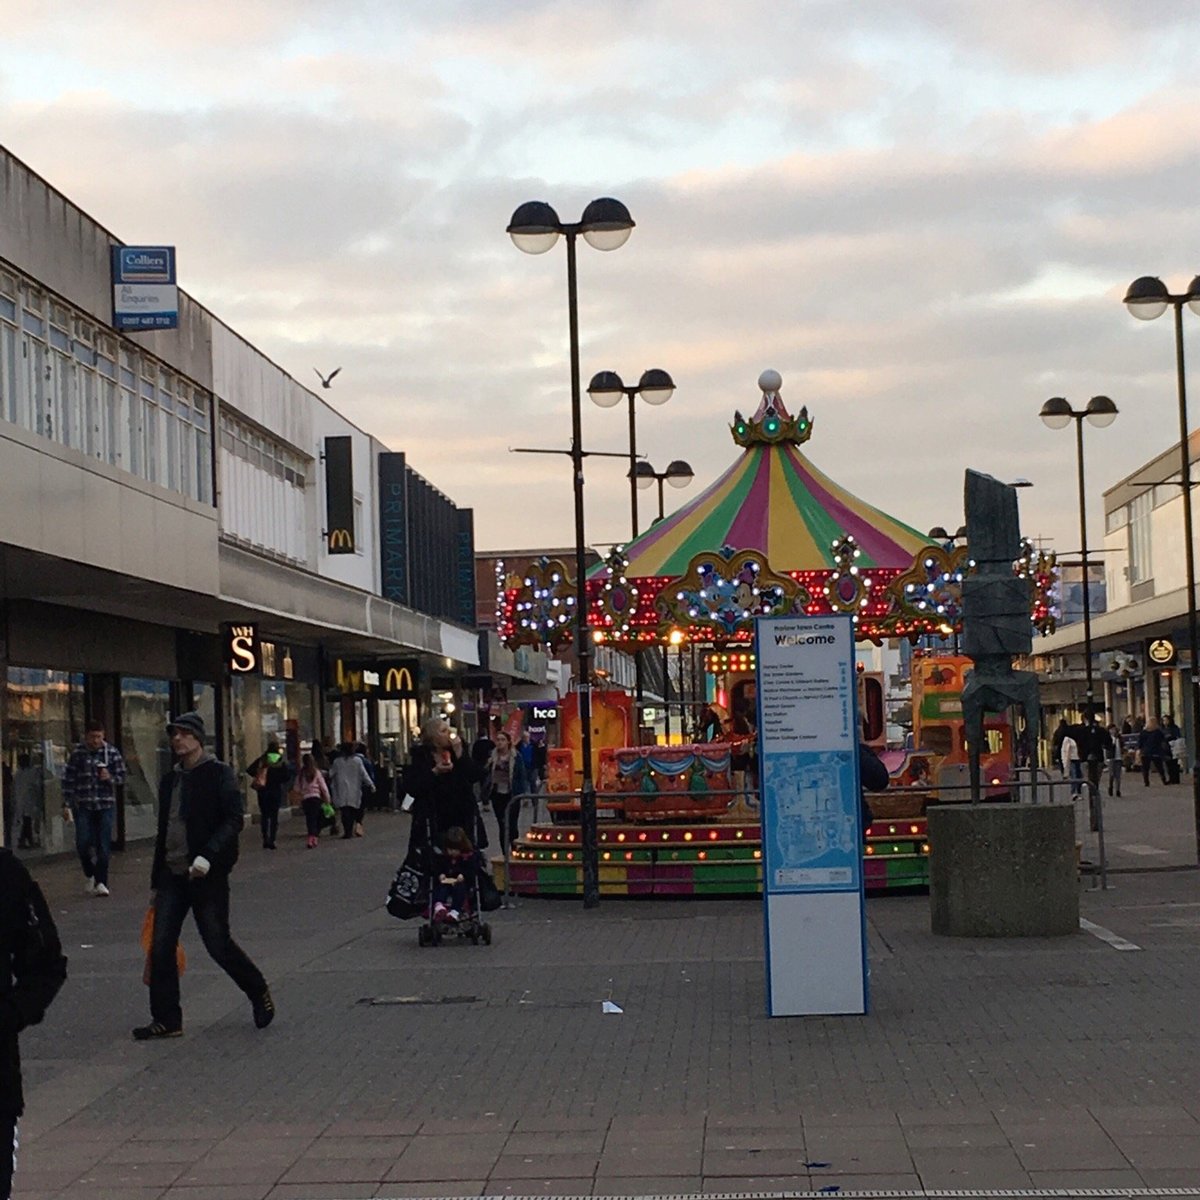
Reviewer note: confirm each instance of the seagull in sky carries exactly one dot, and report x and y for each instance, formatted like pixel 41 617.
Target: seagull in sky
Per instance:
pixel 327 380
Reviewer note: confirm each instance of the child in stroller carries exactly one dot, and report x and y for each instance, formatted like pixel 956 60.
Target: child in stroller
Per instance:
pixel 454 893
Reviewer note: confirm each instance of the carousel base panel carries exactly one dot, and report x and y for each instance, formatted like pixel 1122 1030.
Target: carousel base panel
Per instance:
pixel 697 859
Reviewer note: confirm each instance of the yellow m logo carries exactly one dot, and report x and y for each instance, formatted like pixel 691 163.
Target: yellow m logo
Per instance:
pixel 398 679
pixel 341 539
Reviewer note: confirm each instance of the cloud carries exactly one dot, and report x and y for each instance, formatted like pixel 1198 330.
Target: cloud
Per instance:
pixel 922 215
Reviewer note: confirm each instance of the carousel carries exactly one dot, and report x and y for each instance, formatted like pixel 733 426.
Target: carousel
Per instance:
pixel 773 535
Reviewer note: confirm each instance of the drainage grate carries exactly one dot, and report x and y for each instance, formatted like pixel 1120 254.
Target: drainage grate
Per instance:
pixel 384 1001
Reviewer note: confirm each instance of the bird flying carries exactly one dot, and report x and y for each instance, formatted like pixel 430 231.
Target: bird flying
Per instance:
pixel 327 380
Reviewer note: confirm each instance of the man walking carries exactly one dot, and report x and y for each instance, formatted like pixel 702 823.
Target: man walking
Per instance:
pixel 32 969
pixel 94 772
pixel 200 814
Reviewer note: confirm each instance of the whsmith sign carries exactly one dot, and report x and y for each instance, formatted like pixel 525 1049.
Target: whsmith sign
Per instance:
pixel 145 295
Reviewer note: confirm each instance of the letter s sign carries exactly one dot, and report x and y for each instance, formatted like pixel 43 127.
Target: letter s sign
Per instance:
pixel 241 649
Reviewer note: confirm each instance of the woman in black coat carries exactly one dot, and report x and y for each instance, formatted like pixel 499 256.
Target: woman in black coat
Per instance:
pixel 441 781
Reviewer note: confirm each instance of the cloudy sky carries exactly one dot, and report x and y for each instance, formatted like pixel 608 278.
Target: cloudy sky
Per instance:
pixel 923 214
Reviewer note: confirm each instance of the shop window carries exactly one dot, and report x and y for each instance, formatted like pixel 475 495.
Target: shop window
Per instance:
pixel 145 711
pixel 1141 567
pixel 43 720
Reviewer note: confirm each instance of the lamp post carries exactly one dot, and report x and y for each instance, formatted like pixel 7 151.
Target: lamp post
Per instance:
pixel 1058 414
pixel 606 389
pixel 678 474
pixel 1147 299
pixel 534 228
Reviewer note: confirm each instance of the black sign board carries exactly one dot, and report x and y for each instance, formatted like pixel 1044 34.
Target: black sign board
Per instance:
pixel 339 496
pixel 464 566
pixel 395 679
pixel 242 648
pixel 393 527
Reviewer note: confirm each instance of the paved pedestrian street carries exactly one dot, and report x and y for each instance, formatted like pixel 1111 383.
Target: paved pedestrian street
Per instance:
pixel 398 1071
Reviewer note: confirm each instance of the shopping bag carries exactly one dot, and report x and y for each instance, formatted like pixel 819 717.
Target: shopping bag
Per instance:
pixel 260 778
pixel 148 941
pixel 408 896
pixel 489 894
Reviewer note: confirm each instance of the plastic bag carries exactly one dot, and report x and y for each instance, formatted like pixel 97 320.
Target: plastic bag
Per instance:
pixel 327 811
pixel 148 942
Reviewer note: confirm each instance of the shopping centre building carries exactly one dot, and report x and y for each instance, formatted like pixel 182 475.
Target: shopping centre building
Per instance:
pixel 186 526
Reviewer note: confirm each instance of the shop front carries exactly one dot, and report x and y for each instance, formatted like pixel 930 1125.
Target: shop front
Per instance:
pixel 377 703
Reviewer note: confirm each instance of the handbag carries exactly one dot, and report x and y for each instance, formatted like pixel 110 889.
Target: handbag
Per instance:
pixel 489 894
pixel 148 942
pixel 260 777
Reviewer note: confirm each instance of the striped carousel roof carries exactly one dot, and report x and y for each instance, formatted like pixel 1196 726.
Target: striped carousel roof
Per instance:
pixel 774 500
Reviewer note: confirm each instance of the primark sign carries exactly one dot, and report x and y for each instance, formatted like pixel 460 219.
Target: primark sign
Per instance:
pixel 145 294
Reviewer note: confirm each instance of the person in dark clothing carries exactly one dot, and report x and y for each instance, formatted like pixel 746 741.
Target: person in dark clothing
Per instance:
pixel 272 775
pixel 1153 749
pixel 1173 734
pixel 873 776
pixel 441 782
pixel 200 815
pixel 32 970
pixel 455 870
pixel 505 783
pixel 1061 731
pixel 1095 747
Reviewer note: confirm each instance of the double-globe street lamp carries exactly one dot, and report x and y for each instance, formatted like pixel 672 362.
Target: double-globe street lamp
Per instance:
pixel 607 389
pixel 534 229
pixel 678 474
pixel 1057 413
pixel 1147 299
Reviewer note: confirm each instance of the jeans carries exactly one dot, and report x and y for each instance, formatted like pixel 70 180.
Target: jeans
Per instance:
pixel 312 814
pixel 269 818
pixel 93 840
pixel 208 898
pixel 1114 775
pixel 1076 778
pixel 1156 761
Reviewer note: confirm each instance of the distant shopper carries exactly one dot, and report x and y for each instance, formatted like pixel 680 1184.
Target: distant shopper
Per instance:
pixel 94 772
pixel 32 969
pixel 1115 761
pixel 28 792
pixel 314 795
pixel 1071 767
pixel 1176 748
pixel 348 780
pixel 270 774
pixel 1061 730
pixel 200 815
pixel 1152 749
pixel 505 783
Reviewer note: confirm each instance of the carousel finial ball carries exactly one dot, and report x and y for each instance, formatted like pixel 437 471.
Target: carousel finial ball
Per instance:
pixel 770 381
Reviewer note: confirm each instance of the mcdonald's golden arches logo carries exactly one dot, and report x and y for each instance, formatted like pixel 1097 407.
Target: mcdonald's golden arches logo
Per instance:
pixel 341 541
pixel 398 679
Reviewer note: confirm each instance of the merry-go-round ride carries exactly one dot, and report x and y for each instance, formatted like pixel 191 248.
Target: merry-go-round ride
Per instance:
pixel 773 535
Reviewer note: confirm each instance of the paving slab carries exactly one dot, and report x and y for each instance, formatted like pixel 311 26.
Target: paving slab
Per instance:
pixel 415 1191
pixel 968 1043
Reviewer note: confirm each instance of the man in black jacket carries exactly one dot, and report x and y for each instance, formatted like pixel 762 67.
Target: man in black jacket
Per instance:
pixel 200 814
pixel 32 969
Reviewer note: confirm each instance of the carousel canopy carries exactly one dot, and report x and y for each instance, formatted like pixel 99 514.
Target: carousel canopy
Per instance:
pixel 774 500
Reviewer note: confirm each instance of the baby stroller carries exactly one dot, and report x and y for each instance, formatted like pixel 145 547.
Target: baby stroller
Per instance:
pixel 454 908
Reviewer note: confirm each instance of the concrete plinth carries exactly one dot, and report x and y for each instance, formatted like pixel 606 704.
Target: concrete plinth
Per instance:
pixel 1003 870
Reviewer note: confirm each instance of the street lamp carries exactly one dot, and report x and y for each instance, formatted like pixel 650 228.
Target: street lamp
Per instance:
pixel 1148 298
pixel 678 474
pixel 1058 414
pixel 606 389
pixel 534 228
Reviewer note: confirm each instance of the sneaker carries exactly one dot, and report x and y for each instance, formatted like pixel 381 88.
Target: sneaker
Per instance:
pixel 264 1010
pixel 89 886
pixel 102 890
pixel 153 1031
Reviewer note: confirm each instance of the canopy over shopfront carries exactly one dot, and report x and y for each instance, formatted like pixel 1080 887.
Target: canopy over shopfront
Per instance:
pixel 772 535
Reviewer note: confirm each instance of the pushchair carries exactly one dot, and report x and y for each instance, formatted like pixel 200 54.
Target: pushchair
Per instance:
pixel 465 923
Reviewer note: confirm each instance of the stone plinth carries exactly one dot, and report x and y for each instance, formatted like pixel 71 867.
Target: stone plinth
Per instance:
pixel 1003 870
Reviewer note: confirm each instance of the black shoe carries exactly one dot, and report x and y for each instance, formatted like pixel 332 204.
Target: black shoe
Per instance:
pixel 264 1010
pixel 153 1031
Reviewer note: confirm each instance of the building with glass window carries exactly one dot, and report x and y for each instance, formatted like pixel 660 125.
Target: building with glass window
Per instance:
pixel 1140 643
pixel 163 486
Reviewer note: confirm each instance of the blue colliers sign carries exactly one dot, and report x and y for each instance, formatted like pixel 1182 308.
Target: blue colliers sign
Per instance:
pixel 145 295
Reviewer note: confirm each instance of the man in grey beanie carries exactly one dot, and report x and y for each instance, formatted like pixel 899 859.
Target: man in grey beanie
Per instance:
pixel 200 814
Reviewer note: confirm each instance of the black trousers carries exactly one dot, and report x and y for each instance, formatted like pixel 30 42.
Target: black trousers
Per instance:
pixel 8 1154
pixel 208 899
pixel 269 818
pixel 350 817
pixel 507 811
pixel 1146 764
pixel 312 814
